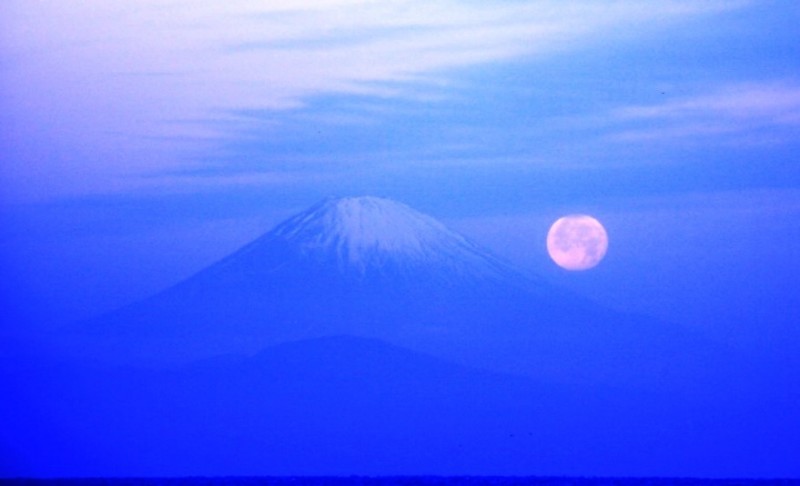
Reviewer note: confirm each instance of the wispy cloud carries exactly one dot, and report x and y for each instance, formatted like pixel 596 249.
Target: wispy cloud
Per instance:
pixel 747 113
pixel 106 74
pixel 274 55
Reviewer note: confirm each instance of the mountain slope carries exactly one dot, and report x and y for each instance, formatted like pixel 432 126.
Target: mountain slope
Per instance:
pixel 375 268
pixel 344 406
pixel 368 236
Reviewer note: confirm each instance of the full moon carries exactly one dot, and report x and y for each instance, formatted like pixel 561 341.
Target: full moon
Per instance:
pixel 577 242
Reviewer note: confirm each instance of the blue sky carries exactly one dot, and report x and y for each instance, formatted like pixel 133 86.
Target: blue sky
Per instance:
pixel 142 141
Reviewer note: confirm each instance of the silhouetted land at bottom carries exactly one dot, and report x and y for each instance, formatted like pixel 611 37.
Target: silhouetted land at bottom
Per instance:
pixel 342 406
pixel 401 480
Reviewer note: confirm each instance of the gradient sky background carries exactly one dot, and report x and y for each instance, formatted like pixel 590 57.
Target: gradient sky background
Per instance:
pixel 141 141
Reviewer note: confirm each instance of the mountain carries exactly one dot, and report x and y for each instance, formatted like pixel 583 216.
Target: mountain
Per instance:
pixel 362 337
pixel 352 406
pixel 375 268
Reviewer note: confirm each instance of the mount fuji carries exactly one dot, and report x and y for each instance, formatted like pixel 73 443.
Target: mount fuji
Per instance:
pixel 362 337
pixel 374 268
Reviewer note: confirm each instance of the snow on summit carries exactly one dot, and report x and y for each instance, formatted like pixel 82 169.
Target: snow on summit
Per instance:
pixel 368 232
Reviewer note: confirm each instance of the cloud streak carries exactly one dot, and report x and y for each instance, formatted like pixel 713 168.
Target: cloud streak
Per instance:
pixel 108 75
pixel 727 112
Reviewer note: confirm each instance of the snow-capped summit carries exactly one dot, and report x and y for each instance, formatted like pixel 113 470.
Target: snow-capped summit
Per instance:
pixel 371 236
pixel 357 228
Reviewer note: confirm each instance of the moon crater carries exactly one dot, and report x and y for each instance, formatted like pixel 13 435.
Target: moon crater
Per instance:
pixel 577 242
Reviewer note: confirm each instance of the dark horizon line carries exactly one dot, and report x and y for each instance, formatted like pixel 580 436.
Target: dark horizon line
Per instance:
pixel 405 478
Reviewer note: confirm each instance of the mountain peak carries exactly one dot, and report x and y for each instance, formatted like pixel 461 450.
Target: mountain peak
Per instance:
pixel 370 234
pixel 357 226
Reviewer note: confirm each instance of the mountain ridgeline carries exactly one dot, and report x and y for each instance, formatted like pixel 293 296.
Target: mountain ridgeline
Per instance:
pixel 363 338
pixel 374 268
